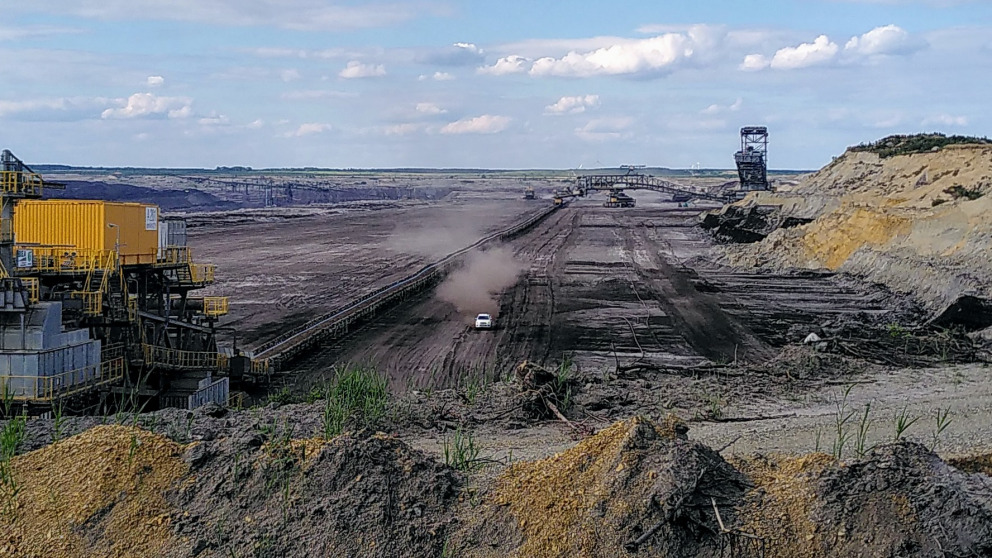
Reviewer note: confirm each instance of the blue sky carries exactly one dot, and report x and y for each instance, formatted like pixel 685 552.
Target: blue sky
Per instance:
pixel 511 84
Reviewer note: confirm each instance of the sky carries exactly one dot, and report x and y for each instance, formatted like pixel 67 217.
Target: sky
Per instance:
pixel 483 84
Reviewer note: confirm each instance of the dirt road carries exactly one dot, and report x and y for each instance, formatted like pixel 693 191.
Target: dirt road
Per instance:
pixel 428 342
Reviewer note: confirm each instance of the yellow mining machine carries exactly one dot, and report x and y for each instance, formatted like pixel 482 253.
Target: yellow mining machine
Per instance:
pixel 529 193
pixel 101 304
pixel 618 199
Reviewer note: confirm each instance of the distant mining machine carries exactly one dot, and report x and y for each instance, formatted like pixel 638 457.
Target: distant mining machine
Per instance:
pixel 752 160
pixel 529 193
pixel 563 194
pixel 108 308
pixel 618 199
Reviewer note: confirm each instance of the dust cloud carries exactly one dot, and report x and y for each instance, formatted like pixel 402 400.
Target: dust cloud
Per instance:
pixel 445 234
pixel 474 288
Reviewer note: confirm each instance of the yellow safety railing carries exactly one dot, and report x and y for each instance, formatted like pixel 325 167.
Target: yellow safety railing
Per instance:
pixel 113 351
pixel 92 301
pixel 33 285
pixel 175 255
pixel 68 260
pixel 261 366
pixel 23 183
pixel 183 360
pixel 202 273
pixel 215 305
pixel 50 388
pixel 132 308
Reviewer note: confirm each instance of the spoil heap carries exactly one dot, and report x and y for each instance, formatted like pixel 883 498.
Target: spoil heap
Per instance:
pixel 101 493
pixel 917 222
pixel 265 494
pixel 900 500
pixel 633 486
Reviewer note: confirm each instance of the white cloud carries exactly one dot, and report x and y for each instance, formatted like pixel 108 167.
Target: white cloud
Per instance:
pixel 316 94
pixel 945 120
pixel 356 69
pixel 889 39
pixel 255 124
pixel 430 108
pixel 303 15
pixel 603 129
pixel 214 120
pixel 146 104
pixel 309 128
pixel 754 62
pixel 821 50
pixel 303 54
pixel 290 75
pixel 457 54
pixel 652 55
pixel 719 109
pixel 512 64
pixel 402 129
pixel 23 32
pixel 438 76
pixel 59 104
pixel 880 41
pixel 485 124
pixel 155 81
pixel 572 105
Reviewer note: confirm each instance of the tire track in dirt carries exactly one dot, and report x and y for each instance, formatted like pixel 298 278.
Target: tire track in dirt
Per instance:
pixel 424 342
pixel 699 316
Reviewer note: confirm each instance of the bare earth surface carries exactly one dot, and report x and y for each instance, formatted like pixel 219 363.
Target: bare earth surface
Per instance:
pixel 659 390
pixel 284 266
pixel 604 288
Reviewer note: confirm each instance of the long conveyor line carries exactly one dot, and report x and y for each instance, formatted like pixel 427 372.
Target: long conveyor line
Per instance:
pixel 276 352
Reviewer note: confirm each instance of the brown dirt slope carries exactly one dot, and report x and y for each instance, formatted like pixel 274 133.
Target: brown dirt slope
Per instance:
pixel 633 479
pixel 248 487
pixel 101 493
pixel 901 500
pixel 905 221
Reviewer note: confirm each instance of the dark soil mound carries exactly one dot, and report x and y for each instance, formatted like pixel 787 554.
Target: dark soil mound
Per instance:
pixel 900 500
pixel 903 500
pixel 632 488
pixel 369 497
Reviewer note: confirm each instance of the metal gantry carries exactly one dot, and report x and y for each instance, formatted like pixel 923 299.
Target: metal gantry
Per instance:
pixel 752 160
pixel 615 184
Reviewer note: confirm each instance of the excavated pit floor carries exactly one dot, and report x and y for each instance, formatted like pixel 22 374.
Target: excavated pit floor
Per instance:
pixel 602 287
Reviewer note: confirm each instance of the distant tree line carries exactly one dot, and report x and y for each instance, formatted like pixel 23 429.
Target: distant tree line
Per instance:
pixel 917 143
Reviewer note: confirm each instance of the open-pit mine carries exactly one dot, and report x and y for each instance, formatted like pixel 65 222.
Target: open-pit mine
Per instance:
pixel 706 363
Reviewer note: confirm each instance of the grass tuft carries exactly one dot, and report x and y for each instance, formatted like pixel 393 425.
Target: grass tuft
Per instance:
pixel 356 395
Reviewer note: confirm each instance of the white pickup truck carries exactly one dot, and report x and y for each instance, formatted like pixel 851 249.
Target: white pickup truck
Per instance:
pixel 483 321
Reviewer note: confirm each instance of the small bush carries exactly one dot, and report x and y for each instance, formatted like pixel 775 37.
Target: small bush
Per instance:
pixel 958 191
